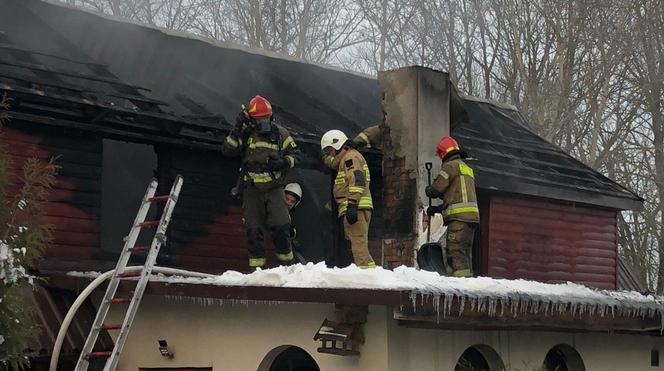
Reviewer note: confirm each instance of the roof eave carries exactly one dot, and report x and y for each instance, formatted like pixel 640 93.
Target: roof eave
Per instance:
pixel 580 196
pixel 411 309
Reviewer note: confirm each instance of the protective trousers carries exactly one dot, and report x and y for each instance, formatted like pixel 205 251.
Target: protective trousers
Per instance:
pixel 358 235
pixel 459 246
pixel 266 209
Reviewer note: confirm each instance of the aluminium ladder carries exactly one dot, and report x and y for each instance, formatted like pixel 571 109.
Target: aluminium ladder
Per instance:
pixel 143 276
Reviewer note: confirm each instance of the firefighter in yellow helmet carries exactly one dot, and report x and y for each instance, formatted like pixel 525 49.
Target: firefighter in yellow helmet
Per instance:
pixel 267 151
pixel 351 192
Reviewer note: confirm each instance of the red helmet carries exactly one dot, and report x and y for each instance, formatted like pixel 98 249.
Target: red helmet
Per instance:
pixel 259 107
pixel 445 146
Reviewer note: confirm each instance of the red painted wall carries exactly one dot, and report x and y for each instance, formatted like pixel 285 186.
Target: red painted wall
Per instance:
pixel 75 200
pixel 551 242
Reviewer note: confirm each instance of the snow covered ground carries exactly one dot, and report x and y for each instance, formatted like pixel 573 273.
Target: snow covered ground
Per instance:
pixel 494 296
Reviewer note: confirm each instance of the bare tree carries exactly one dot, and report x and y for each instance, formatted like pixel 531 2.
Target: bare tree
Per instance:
pixel 646 72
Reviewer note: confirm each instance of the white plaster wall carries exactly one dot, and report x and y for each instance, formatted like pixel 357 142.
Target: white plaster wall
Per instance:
pixel 439 350
pixel 237 337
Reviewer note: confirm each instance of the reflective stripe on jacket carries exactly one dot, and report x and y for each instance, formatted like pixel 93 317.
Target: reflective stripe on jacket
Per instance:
pixel 256 149
pixel 352 181
pixel 456 181
pixel 371 137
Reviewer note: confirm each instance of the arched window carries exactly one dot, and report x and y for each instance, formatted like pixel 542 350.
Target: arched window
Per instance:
pixel 479 357
pixel 563 357
pixel 288 358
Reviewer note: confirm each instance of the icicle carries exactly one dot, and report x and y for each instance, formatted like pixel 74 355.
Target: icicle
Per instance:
pixel 462 304
pixel 449 305
pixel 517 302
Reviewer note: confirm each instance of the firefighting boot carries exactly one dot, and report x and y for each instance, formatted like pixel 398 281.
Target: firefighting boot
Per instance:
pixel 282 243
pixel 256 248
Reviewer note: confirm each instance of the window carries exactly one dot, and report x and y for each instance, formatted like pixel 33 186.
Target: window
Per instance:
pixel 288 358
pixel 654 358
pixel 563 357
pixel 479 357
pixel 126 173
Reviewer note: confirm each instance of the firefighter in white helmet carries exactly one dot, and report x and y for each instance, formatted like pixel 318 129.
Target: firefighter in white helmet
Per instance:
pixel 351 192
pixel 293 193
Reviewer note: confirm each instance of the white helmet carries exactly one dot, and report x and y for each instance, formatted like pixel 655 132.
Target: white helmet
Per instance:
pixel 295 190
pixel 333 138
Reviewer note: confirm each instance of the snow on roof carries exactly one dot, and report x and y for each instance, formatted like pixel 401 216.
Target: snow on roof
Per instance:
pixel 484 294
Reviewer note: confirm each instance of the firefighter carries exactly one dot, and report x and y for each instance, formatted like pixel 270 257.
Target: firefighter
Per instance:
pixel 371 137
pixel 455 185
pixel 267 151
pixel 293 193
pixel 351 192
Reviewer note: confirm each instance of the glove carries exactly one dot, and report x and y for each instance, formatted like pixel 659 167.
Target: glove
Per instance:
pixel 276 164
pixel 432 192
pixel 241 119
pixel 432 210
pixel 351 213
pixel 241 122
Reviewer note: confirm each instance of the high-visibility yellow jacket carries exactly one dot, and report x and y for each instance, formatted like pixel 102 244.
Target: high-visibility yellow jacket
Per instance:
pixel 351 185
pixel 256 149
pixel 371 137
pixel 456 183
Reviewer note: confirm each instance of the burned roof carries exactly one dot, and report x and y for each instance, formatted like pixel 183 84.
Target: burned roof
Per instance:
pixel 508 156
pixel 198 79
pixel 65 66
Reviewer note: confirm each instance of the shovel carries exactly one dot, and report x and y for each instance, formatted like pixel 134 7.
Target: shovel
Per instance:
pixel 430 254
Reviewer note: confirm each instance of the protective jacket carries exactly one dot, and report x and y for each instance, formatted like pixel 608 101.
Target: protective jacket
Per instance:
pixel 371 137
pixel 352 181
pixel 456 185
pixel 257 149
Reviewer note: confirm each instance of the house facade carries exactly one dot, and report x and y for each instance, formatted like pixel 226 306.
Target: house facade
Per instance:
pixel 117 103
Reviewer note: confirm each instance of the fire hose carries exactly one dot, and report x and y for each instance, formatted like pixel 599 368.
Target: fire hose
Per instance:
pixel 90 288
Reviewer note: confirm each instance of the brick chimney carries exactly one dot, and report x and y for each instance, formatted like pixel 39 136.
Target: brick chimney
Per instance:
pixel 416 103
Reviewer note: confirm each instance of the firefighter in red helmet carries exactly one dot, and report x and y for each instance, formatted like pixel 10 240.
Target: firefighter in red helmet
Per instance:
pixel 455 185
pixel 267 151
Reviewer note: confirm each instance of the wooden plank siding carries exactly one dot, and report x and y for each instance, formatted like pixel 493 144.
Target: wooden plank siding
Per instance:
pixel 74 202
pixel 206 232
pixel 550 241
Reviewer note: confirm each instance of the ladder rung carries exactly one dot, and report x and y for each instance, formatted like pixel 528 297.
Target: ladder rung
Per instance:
pixel 110 327
pixel 159 198
pixel 98 354
pixel 139 249
pixel 149 223
pixel 129 274
pixel 119 300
